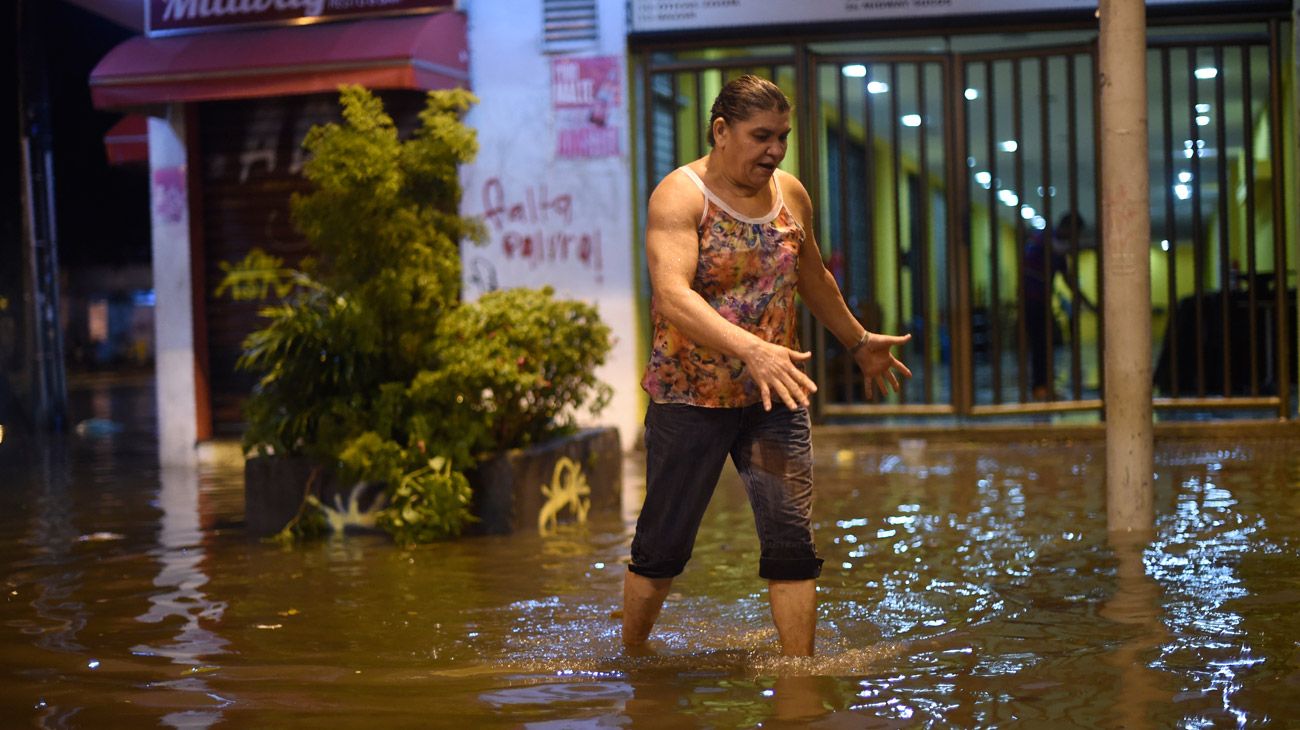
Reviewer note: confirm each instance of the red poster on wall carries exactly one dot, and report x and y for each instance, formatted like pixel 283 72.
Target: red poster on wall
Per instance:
pixel 587 97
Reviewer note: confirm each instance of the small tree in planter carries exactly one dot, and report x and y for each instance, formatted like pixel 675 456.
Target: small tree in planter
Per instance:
pixel 372 365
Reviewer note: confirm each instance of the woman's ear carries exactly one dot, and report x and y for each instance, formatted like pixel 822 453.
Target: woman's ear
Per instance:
pixel 719 129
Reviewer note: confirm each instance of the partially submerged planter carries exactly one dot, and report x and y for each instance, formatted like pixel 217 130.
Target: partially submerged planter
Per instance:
pixel 558 481
pixel 535 488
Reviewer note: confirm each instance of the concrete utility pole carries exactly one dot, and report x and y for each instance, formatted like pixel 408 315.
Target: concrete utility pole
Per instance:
pixel 1126 266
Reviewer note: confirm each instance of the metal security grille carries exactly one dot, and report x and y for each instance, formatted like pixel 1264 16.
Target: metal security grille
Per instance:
pixel 663 109
pixel 1219 274
pixel 569 25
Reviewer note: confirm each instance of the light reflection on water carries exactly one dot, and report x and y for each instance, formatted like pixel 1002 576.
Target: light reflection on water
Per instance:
pixel 966 585
pixel 181 600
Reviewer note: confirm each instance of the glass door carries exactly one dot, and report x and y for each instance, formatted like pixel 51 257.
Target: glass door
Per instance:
pixel 1031 204
pixel 882 147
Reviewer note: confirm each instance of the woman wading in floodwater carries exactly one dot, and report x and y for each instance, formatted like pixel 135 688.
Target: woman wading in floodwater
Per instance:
pixel 729 241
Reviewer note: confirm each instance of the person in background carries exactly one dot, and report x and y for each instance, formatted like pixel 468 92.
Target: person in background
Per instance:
pixel 729 242
pixel 1043 261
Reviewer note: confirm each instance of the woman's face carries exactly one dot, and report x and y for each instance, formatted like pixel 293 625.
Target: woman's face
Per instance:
pixel 752 148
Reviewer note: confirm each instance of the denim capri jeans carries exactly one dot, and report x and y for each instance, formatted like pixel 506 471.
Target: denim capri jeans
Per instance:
pixel 686 447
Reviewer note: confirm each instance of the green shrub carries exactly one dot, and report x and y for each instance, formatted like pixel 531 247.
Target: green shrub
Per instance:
pixel 371 363
pixel 514 365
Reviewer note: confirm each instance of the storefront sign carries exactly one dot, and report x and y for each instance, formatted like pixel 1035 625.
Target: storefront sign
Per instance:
pixel 586 95
pixel 165 17
pixel 673 15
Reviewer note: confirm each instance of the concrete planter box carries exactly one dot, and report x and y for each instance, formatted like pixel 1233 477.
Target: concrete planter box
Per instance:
pixel 554 482
pixel 523 489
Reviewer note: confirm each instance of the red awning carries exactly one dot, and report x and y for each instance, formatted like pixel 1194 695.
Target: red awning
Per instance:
pixel 422 52
pixel 128 140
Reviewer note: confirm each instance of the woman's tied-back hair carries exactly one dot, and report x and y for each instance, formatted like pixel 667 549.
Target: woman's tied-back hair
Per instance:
pixel 743 97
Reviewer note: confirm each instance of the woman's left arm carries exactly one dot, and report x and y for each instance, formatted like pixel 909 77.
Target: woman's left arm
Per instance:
pixel 821 294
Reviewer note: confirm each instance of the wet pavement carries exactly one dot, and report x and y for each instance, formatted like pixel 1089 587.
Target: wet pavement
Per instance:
pixel 967 584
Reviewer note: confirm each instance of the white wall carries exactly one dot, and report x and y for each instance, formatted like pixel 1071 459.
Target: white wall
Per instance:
pixel 173 321
pixel 518 175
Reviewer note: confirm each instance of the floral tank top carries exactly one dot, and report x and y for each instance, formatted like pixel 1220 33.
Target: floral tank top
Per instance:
pixel 748 271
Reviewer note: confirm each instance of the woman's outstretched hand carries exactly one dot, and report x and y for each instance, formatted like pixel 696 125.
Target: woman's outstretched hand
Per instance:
pixel 876 360
pixel 775 369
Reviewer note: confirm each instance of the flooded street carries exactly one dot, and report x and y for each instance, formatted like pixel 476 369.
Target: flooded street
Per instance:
pixel 966 584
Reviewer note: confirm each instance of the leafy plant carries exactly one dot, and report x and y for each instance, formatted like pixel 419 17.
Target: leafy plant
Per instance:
pixel 371 362
pixel 514 365
pixel 418 512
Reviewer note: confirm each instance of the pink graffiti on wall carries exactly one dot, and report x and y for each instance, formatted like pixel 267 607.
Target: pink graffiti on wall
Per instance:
pixel 169 199
pixel 538 228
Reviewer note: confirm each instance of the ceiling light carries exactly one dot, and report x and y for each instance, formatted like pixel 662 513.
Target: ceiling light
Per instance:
pixel 1201 151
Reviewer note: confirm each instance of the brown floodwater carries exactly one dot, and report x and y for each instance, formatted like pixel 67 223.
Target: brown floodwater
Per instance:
pixel 966 584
